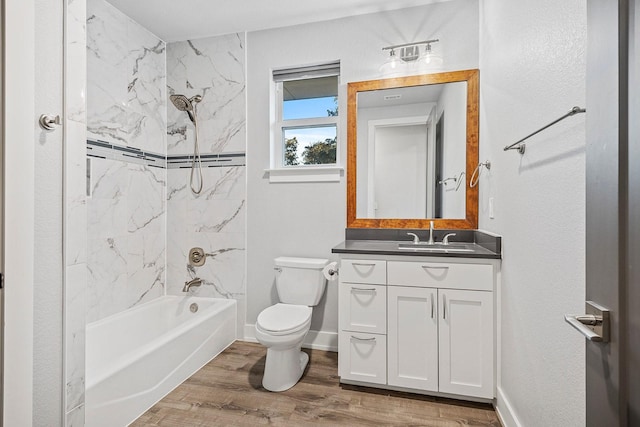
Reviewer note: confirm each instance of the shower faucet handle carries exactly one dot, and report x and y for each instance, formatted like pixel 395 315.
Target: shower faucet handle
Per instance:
pixel 197 257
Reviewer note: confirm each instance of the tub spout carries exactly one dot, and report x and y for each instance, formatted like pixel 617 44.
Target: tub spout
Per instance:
pixel 193 282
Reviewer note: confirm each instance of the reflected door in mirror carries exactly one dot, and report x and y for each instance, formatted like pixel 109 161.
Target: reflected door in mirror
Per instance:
pixel 399 181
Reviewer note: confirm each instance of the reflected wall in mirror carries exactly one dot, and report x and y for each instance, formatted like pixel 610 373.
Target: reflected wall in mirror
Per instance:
pixel 412 144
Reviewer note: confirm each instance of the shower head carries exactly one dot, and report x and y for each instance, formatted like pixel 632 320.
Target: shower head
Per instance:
pixel 182 103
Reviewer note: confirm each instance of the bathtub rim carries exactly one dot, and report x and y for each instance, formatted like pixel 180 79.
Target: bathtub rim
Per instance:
pixel 144 350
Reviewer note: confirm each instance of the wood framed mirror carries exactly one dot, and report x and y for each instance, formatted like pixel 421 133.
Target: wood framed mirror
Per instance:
pixel 412 147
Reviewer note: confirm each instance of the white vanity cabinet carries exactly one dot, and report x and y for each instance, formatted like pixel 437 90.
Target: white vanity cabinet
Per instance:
pixel 362 342
pixel 438 330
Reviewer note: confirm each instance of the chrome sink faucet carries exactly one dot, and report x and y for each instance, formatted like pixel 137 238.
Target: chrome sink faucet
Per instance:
pixel 445 240
pixel 430 241
pixel 416 239
pixel 193 282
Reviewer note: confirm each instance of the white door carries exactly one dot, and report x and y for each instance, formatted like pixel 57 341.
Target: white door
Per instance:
pixel 400 171
pixel 412 353
pixel 466 342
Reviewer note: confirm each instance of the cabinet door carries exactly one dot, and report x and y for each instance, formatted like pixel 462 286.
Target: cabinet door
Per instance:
pixel 466 342
pixel 363 308
pixel 412 353
pixel 362 357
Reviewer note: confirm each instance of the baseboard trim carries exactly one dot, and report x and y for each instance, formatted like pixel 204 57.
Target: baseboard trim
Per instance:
pixel 316 340
pixel 505 411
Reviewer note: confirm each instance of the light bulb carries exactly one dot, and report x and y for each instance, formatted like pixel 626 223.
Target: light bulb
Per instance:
pixel 392 65
pixel 430 60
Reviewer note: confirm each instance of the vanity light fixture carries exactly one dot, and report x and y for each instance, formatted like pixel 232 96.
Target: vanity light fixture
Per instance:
pixel 403 55
pixel 429 58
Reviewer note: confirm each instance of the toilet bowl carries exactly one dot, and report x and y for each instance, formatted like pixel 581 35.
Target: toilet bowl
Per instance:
pixel 282 329
pixel 283 326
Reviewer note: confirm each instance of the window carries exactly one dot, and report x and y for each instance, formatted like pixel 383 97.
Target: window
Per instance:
pixel 306 132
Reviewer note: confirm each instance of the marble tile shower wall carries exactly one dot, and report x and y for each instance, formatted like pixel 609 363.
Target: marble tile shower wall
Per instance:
pixel 215 219
pixel 126 105
pixel 126 90
pixel 75 233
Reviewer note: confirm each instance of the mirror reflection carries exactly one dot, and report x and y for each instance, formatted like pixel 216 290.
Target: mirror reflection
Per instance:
pixel 411 145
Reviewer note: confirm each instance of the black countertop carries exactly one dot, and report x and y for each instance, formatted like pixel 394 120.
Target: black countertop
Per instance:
pixel 476 244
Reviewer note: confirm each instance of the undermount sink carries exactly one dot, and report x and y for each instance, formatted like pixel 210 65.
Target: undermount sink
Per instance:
pixel 436 247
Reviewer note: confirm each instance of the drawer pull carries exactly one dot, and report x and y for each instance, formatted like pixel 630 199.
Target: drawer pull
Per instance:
pixel 432 306
pixel 364 264
pixel 438 267
pixel 363 289
pixel 362 339
pixel 444 307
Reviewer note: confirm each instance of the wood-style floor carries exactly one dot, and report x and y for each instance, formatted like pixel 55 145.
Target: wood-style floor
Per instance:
pixel 228 392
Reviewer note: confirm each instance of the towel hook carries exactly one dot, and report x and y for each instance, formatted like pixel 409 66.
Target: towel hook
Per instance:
pixel 475 179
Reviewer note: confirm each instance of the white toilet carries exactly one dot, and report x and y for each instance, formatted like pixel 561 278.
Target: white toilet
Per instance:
pixel 282 327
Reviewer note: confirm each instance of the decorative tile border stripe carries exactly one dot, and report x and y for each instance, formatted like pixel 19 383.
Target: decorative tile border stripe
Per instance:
pixel 105 150
pixel 208 160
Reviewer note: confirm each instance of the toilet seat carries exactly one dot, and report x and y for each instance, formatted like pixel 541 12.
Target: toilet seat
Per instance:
pixel 284 319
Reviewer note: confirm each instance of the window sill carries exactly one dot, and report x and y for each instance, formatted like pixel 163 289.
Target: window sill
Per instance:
pixel 306 174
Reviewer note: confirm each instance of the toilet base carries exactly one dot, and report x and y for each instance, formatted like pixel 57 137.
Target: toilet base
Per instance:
pixel 284 368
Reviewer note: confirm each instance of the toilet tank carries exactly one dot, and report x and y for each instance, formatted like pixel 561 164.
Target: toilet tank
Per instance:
pixel 300 280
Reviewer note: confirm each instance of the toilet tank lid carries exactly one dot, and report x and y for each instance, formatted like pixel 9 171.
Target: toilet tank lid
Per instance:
pixel 284 261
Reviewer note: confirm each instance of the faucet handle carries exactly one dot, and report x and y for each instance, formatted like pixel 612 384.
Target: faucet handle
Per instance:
pixel 416 239
pixel 445 240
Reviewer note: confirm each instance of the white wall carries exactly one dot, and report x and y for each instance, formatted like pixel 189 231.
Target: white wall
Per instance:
pixel 19 183
pixel 309 219
pixel 532 62
pixel 48 262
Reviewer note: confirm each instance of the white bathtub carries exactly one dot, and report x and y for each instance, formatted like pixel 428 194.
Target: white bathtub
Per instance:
pixel 136 357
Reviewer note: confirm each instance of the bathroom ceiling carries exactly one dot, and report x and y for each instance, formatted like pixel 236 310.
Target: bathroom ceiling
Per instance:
pixel 174 20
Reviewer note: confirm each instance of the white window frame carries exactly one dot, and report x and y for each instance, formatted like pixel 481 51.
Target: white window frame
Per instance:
pixel 301 173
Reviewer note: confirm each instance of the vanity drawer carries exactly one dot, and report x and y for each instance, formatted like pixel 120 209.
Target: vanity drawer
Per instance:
pixel 362 357
pixel 363 308
pixel 478 277
pixel 363 271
